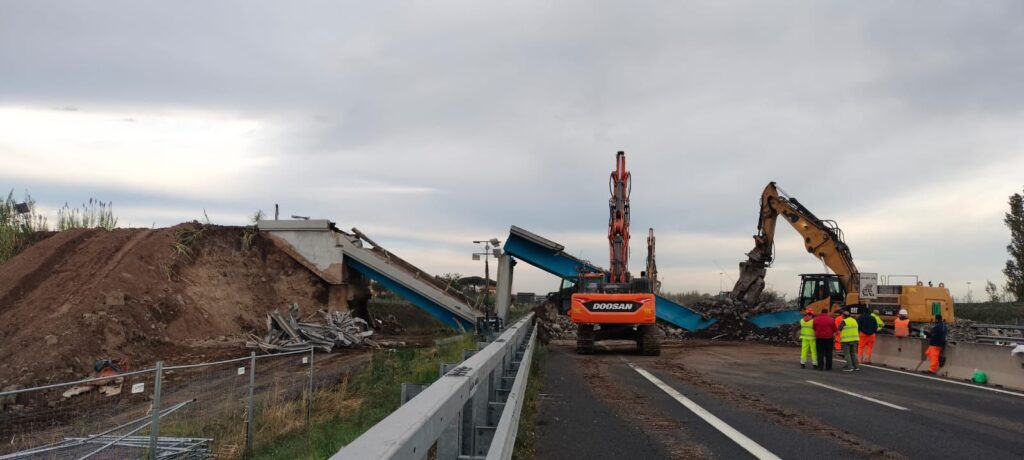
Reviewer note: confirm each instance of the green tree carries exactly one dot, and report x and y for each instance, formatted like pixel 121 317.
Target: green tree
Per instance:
pixel 1014 270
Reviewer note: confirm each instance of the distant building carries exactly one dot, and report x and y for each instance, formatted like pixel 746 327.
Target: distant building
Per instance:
pixel 526 298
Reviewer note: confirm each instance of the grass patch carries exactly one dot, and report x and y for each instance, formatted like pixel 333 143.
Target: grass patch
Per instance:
pixel 526 436
pixel 250 232
pixel 17 226
pixel 94 214
pixel 343 413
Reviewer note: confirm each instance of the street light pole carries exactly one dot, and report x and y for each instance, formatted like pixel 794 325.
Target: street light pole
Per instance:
pixel 488 246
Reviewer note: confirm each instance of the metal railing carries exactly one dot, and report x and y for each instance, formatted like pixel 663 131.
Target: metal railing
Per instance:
pixel 1006 333
pixel 471 412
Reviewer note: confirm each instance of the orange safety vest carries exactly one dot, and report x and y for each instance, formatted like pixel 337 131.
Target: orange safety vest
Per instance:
pixel 901 327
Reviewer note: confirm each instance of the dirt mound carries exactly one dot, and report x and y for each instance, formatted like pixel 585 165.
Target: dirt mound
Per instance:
pixel 185 292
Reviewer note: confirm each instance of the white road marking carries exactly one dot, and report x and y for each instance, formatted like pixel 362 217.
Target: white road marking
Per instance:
pixel 754 448
pixel 876 401
pixel 939 379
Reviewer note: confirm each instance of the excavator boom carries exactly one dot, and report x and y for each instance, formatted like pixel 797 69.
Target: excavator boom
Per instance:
pixel 618 221
pixel 822 238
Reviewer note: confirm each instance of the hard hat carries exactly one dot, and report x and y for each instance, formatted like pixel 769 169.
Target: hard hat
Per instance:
pixel 903 312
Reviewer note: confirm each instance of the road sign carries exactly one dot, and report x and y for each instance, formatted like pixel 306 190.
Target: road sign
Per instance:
pixel 869 286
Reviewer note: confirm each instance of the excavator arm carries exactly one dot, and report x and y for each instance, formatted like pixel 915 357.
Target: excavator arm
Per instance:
pixel 618 221
pixel 822 238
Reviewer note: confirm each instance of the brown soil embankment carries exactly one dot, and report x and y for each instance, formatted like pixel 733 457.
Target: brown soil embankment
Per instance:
pixel 80 295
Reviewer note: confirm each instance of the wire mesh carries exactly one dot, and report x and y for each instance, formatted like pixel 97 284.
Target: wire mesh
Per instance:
pixel 207 407
pixel 48 418
pixel 217 394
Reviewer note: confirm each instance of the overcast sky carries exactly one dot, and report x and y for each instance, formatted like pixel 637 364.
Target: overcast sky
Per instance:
pixel 431 124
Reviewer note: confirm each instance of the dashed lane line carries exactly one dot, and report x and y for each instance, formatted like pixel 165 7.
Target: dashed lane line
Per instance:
pixel 868 398
pixel 748 444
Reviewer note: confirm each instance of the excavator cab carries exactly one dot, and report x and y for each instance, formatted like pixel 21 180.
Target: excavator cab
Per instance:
pixel 821 291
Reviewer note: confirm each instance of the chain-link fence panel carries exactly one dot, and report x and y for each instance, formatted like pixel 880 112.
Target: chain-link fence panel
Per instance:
pixel 72 420
pixel 220 409
pixel 216 398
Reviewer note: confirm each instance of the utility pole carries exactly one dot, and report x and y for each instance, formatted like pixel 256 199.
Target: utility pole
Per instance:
pixel 490 245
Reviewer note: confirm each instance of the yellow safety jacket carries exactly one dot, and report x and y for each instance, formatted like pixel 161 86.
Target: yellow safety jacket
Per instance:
pixel 901 327
pixel 807 329
pixel 849 332
pixel 878 319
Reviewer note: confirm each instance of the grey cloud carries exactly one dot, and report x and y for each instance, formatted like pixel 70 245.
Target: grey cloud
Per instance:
pixel 511 113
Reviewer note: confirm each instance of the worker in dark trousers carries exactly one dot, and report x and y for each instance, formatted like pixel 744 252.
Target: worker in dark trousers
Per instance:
pixel 868 325
pixel 936 342
pixel 824 332
pixel 848 335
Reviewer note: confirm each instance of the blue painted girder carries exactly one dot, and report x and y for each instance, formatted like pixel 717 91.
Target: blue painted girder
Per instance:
pixel 680 316
pixel 431 307
pixel 775 319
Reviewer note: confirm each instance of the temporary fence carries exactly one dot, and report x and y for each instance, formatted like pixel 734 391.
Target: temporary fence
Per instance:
pixel 223 408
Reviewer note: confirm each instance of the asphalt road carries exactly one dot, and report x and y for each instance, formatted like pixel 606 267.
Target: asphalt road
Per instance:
pixel 602 406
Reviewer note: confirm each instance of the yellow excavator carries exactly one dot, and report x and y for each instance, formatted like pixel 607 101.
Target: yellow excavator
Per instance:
pixel 824 240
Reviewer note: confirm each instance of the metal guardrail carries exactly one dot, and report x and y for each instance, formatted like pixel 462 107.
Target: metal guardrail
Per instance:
pixel 471 412
pixel 1019 327
pixel 1000 339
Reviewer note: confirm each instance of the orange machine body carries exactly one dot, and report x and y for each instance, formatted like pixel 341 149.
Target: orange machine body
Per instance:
pixel 594 308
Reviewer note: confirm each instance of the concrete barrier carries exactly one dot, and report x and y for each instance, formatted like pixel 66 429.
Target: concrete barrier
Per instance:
pixel 905 353
pixel 1001 368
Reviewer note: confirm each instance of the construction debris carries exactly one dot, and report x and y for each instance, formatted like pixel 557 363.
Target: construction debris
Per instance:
pixel 106 367
pixel 552 325
pixel 731 325
pixel 336 330
pixel 732 320
pixel 962 330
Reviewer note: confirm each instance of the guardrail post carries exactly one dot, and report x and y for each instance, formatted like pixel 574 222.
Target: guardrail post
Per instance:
pixel 250 404
pixel 410 390
pixel 154 427
pixel 448 445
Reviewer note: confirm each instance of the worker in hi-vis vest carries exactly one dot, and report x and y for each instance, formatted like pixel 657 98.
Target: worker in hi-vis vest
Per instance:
pixel 848 335
pixel 901 326
pixel 808 344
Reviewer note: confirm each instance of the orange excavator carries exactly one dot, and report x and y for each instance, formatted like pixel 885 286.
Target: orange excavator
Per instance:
pixel 614 305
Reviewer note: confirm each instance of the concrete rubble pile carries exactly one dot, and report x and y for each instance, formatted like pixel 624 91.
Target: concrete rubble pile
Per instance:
pixel 552 325
pixel 962 330
pixel 336 330
pixel 732 320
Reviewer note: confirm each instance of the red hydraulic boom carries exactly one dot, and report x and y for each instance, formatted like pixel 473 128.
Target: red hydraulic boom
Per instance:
pixel 618 221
